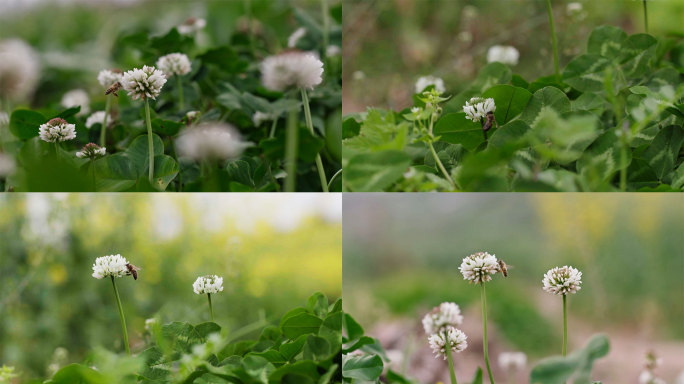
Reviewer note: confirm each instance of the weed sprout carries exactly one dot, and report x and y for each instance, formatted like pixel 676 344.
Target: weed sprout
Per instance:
pixel 562 281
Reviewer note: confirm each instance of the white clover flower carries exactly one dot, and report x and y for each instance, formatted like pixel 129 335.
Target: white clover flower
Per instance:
pixel 192 115
pixel 112 265
pixel 208 284
pixel 512 361
pixel 108 77
pixel 647 377
pixel 295 37
pixel 447 314
pixel 505 54
pixel 77 98
pixel 291 69
pixel 210 141
pixel 479 267
pixel 96 118
pixel 150 323
pixel 4 119
pixel 332 51
pixel 192 25
pixel 477 108
pixel 575 10
pixel 56 130
pixel 455 338
pixel 259 117
pixel 7 165
pixel 426 81
pixel 19 69
pixel 143 83
pixel 562 280
pixel 91 151
pixel 174 64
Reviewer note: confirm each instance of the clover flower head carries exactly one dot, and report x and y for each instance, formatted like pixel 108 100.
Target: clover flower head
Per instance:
pixel 447 314
pixel 479 267
pixel 192 115
pixel 575 10
pixel 210 141
pixel 4 119
pixel 291 69
pixel 332 51
pixel 509 361
pixel 562 280
pixel 477 108
pixel 174 64
pixel 107 77
pixel 96 118
pixel 208 284
pixel 451 338
pixel 505 54
pixel 426 81
pixel 91 151
pixel 112 265
pixel 143 83
pixel 648 377
pixel 150 323
pixel 7 165
pixel 19 69
pixel 192 25
pixel 77 98
pixel 56 130
pixel 295 37
pixel 259 117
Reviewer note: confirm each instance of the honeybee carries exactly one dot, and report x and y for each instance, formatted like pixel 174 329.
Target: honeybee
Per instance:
pixel 114 89
pixel 503 267
pixel 133 270
pixel 489 121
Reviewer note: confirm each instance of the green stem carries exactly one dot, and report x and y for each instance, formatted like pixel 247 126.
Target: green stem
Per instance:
pixel 333 178
pixel 211 308
pixel 179 81
pixel 623 163
pixel 326 26
pixel 123 320
pixel 103 132
pixel 150 140
pixel 565 324
pixel 440 165
pixel 553 40
pixel 273 128
pixel 309 123
pixel 291 147
pixel 450 358
pixel 484 328
pixel 250 30
pixel 92 170
pixel 645 17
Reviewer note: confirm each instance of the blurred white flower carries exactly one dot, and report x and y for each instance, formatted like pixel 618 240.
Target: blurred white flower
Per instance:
pixel 332 50
pixel 91 151
pixel 573 7
pixel 192 115
pixel 295 37
pixel 426 81
pixel 150 323
pixel 112 265
pixel 56 130
pixel 562 280
pixel 143 83
pixel 291 69
pixel 512 361
pixel 358 75
pixel 479 267
pixel 192 25
pixel 259 117
pixel 503 54
pixel 447 314
pixel 77 98
pixel 174 64
pixel 210 141
pixel 208 284
pixel 454 338
pixel 7 165
pixel 4 119
pixel 19 69
pixel 108 77
pixel 96 118
pixel 647 377
pixel 477 108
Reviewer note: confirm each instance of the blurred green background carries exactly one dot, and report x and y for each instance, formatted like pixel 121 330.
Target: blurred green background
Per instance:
pixel 388 44
pixel 402 253
pixel 273 252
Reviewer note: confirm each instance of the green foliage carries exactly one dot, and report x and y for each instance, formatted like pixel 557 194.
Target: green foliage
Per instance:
pixel 613 122
pixel 576 367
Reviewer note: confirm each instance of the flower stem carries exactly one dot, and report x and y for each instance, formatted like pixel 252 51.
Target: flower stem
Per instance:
pixel 103 132
pixel 150 139
pixel 484 329
pixel 450 358
pixel 92 170
pixel 309 123
pixel 645 17
pixel 250 30
pixel 180 92
pixel 565 324
pixel 440 165
pixel 623 164
pixel 291 147
pixel 273 128
pixel 553 40
pixel 211 308
pixel 326 26
pixel 123 320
